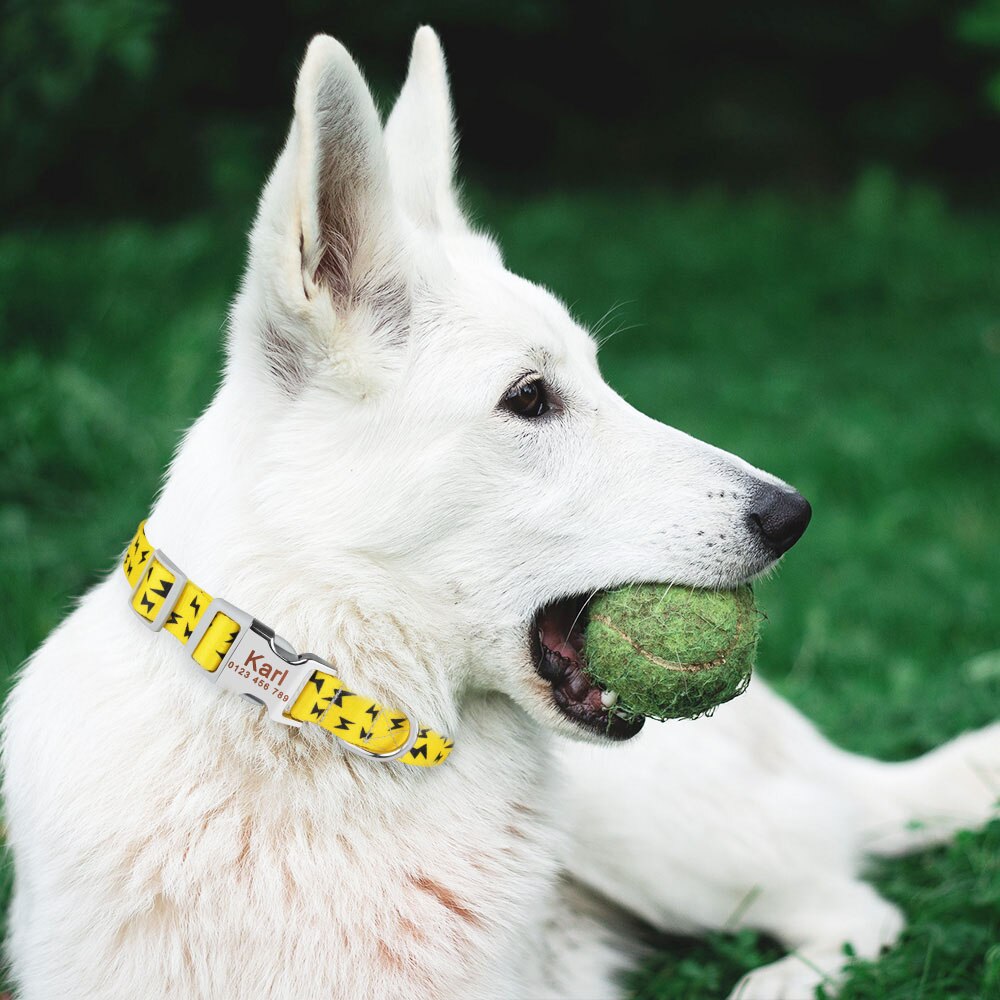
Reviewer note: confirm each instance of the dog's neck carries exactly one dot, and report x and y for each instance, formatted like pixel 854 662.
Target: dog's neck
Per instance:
pixel 378 634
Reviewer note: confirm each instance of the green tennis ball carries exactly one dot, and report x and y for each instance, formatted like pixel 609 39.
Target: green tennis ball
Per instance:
pixel 672 652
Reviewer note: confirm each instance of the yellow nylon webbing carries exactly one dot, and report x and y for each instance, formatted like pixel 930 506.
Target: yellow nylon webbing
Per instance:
pixel 325 701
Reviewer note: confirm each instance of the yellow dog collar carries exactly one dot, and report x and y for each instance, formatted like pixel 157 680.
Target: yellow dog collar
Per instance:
pixel 239 654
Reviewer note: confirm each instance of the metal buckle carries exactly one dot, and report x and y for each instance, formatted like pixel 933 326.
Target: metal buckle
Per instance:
pixel 173 595
pixel 258 665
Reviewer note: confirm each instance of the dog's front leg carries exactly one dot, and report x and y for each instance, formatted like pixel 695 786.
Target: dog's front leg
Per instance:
pixel 740 820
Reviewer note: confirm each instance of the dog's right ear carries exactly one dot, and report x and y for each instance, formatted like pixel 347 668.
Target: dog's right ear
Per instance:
pixel 326 277
pixel 420 139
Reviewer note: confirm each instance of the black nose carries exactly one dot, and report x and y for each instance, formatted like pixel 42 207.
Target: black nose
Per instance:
pixel 779 515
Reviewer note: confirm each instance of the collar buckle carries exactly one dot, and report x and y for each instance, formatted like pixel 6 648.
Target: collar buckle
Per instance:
pixel 258 665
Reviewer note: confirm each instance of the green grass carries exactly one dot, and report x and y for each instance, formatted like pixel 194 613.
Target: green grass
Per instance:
pixel 851 347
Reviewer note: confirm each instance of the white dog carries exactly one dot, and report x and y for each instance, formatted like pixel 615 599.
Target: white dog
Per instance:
pixel 413 466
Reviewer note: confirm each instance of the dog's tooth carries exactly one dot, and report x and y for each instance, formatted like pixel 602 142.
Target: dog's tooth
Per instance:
pixel 609 698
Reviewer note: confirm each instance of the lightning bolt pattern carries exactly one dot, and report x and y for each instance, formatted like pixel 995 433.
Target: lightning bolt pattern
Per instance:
pixel 325 701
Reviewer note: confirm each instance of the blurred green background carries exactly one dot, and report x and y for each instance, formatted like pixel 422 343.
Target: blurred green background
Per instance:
pixel 790 212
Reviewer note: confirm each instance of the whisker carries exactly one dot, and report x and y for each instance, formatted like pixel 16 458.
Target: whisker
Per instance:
pixel 608 316
pixel 583 607
pixel 601 341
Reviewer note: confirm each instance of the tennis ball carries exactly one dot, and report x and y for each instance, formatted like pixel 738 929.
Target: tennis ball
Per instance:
pixel 671 652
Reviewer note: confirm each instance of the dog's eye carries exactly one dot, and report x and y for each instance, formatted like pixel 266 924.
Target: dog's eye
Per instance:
pixel 529 399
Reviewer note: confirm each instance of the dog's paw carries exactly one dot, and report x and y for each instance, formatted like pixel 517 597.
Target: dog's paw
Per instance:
pixel 959 786
pixel 977 790
pixel 924 802
pixel 793 977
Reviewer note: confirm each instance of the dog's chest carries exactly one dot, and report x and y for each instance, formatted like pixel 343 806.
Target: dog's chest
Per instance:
pixel 414 883
pixel 295 872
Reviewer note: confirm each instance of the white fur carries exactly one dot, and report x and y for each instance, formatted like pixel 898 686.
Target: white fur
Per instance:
pixel 355 485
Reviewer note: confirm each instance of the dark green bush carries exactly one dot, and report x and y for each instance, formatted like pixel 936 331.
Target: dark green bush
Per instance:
pixel 116 106
pixel 980 25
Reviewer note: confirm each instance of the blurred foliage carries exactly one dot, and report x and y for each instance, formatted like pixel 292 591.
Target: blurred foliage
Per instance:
pixel 73 72
pixel 115 106
pixel 980 25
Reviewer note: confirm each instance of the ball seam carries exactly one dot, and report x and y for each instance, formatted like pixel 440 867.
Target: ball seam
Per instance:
pixel 676 665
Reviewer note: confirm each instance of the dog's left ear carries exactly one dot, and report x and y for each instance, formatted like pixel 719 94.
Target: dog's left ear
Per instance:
pixel 328 286
pixel 345 207
pixel 420 140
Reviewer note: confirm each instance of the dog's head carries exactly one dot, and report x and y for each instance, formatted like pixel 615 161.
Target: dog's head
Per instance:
pixel 441 424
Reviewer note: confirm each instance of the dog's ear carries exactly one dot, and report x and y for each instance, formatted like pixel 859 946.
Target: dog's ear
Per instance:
pixel 327 278
pixel 420 139
pixel 343 183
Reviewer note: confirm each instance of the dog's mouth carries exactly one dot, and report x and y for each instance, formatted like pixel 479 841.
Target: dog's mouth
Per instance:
pixel 558 643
